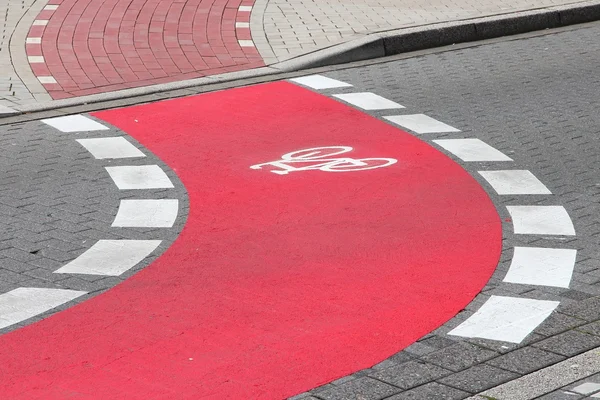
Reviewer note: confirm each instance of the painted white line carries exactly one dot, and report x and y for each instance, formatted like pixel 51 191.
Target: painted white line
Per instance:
pixel 110 257
pixel 74 123
pixel 46 79
pixel 368 101
pixel 508 319
pixel 514 182
pixel 542 266
pixel 420 123
pixel 51 7
pixel 471 150
pixel 139 177
pixel 242 24
pixel 111 147
pixel 586 388
pixel 23 303
pixel 147 213
pixel 319 82
pixel 33 40
pixel 245 8
pixel 35 59
pixel 541 220
pixel 40 22
pixel 246 43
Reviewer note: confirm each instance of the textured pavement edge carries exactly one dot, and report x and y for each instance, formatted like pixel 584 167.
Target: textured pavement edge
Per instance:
pixel 371 46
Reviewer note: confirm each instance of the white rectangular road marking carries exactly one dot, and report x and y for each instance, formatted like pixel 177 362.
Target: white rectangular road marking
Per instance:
pixel 74 123
pixel 23 303
pixel 245 8
pixel 472 150
pixel 40 22
pixel 147 213
pixel 139 177
pixel 246 43
pixel 35 59
pixel 242 24
pixel 541 220
pixel 542 266
pixel 508 319
pixel 319 82
pixel 368 101
pixel 420 123
pixel 33 40
pixel 110 257
pixel 514 182
pixel 111 147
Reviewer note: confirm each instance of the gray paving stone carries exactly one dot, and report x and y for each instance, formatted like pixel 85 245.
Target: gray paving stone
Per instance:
pixel 525 360
pixel 459 356
pixel 360 389
pixel 431 391
pixel 569 343
pixel 410 374
pixel 478 378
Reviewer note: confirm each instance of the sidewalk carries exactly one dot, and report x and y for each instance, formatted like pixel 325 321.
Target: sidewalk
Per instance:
pixel 61 49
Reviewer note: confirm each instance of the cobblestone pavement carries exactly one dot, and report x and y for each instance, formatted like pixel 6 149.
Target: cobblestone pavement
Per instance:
pixel 67 48
pixel 535 100
pixel 56 201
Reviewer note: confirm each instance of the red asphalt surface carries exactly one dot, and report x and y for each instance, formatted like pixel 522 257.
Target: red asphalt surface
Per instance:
pixel 278 283
pixel 96 46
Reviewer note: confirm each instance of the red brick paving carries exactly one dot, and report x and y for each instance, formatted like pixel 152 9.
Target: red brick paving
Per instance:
pixel 95 46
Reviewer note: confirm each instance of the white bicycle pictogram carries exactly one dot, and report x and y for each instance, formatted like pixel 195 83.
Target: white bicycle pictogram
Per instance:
pixel 316 158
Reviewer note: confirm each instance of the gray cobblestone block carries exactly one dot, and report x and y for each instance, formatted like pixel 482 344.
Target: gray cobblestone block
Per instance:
pixel 410 374
pixel 459 356
pixel 478 378
pixel 359 389
pixel 525 360
pixel 569 343
pixel 431 391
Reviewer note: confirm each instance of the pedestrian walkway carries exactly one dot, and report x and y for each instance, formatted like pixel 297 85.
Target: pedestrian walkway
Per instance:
pixel 61 49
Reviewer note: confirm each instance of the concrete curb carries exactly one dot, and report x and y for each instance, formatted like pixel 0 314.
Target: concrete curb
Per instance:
pixel 374 45
pixel 545 380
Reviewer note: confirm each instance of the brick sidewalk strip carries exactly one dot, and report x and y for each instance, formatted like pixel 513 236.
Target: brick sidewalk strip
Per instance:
pixel 72 48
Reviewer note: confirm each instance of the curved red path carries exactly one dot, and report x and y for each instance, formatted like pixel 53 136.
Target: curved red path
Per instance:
pixel 278 283
pixel 94 46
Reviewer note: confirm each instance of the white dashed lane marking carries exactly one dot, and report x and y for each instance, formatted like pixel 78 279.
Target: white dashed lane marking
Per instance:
pixel 319 82
pixel 147 213
pixel 508 319
pixel 111 148
pixel 541 220
pixel 140 177
pixel 23 303
pixel 420 123
pixel 368 101
pixel 74 123
pixel 542 266
pixel 110 257
pixel 514 182
pixel 472 150
pixel 106 257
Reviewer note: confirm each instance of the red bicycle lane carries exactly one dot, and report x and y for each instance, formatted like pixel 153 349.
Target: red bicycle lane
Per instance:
pixel 279 282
